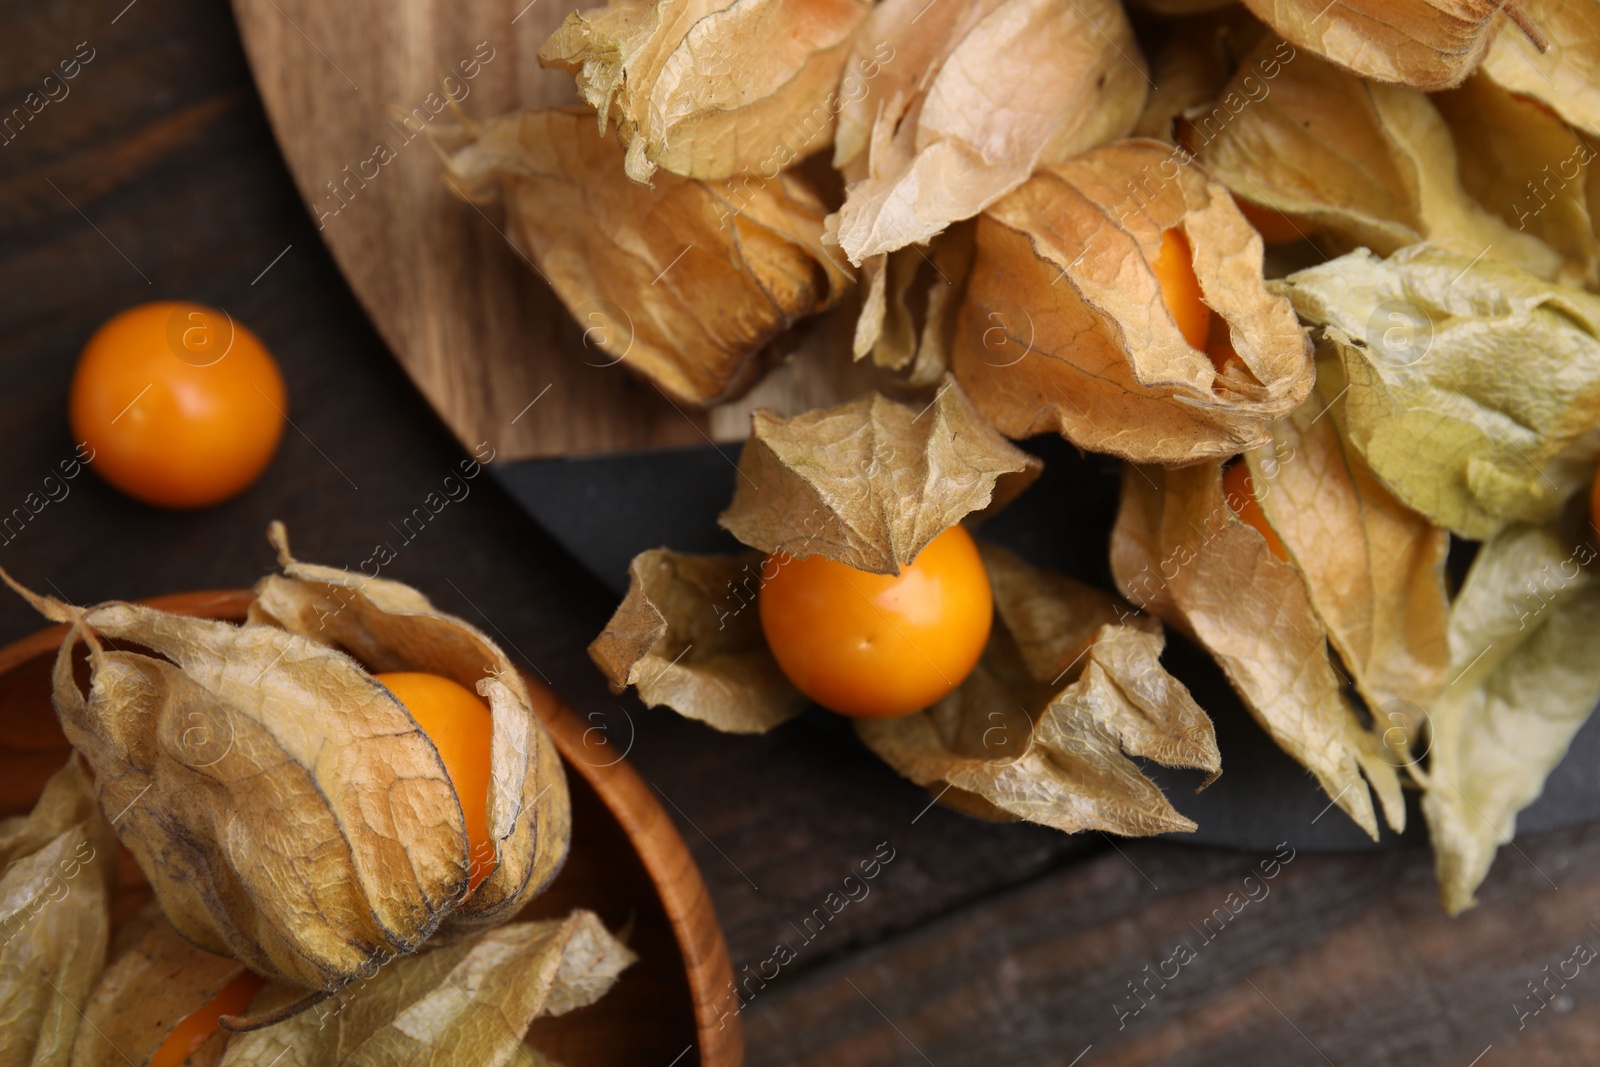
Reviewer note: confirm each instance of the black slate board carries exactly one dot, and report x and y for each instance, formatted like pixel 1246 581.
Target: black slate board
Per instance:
pixel 606 509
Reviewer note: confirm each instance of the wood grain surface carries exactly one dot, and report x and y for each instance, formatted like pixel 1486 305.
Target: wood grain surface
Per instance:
pixel 158 177
pixel 349 84
pixel 626 863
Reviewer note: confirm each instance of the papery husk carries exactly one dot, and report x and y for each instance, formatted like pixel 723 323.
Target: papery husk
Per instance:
pixel 1473 387
pixel 1180 550
pixel 155 981
pixel 910 299
pixel 1016 739
pixel 871 482
pixel 688 635
pixel 1522 643
pixel 1374 568
pixel 1064 327
pixel 976 95
pixel 1369 164
pixel 389 626
pixel 1426 44
pixel 286 809
pixel 1566 73
pixel 57 867
pixel 710 88
pixel 1526 165
pixel 684 281
pixel 1195 61
pixel 466 1004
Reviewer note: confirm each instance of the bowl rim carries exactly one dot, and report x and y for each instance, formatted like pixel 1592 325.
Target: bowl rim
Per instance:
pixel 626 795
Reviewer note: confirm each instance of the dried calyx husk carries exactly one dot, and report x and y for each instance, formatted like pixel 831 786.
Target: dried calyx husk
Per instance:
pixel 871 482
pixel 1470 387
pixel 1180 550
pixel 686 282
pixel 57 867
pixel 431 1006
pixel 910 298
pixel 1193 63
pixel 1364 163
pixel 1069 687
pixel 465 1004
pixel 682 637
pixel 1426 44
pixel 154 980
pixel 287 810
pixel 1373 567
pixel 968 99
pixel 660 71
pixel 1520 160
pixel 868 483
pixel 1064 326
pixel 1565 75
pixel 1525 679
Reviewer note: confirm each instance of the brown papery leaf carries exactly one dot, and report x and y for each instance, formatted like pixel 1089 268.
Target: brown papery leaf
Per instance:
pixel 356 847
pixel 466 1004
pixel 156 980
pixel 1196 60
pixel 684 281
pixel 1426 44
pixel 1013 737
pixel 389 626
pixel 688 635
pixel 1522 162
pixel 1566 74
pixel 710 88
pixel 871 482
pixel 1373 567
pixel 1369 164
pixel 1179 549
pixel 1064 326
pixel 974 95
pixel 56 869
pixel 1056 621
pixel 910 298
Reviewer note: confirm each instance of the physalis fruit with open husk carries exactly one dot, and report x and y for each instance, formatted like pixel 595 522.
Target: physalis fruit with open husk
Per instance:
pixel 159 1000
pixel 710 88
pixel 1068 687
pixel 683 281
pixel 1071 321
pixel 287 809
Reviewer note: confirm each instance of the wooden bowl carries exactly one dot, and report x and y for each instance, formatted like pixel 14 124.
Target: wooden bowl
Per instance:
pixel 627 864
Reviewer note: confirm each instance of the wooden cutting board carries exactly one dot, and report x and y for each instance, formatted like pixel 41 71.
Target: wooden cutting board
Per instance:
pixel 351 89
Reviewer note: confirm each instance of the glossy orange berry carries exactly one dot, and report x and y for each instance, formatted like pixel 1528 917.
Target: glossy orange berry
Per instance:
pixel 876 645
pixel 181 404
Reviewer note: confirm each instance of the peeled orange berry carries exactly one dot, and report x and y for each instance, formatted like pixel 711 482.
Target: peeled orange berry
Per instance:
pixel 879 645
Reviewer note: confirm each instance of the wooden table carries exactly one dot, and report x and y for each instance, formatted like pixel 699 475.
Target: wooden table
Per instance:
pixel 156 177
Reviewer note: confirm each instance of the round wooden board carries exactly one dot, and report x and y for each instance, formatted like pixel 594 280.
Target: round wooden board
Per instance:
pixel 627 864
